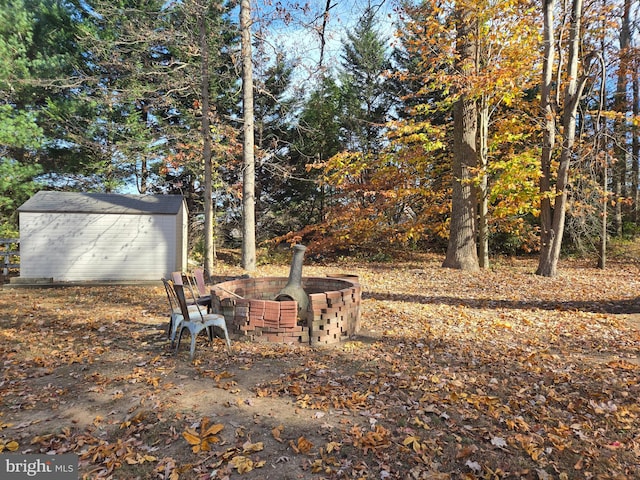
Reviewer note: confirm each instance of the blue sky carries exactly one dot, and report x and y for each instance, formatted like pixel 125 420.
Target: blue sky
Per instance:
pixel 296 36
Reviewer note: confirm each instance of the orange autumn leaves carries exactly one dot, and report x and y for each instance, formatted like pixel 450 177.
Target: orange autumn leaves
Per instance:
pixel 203 436
pixel 202 440
pixel 10 446
pixel 467 375
pixel 7 446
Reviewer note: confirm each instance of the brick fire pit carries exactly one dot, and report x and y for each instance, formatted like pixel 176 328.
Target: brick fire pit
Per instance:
pixel 333 314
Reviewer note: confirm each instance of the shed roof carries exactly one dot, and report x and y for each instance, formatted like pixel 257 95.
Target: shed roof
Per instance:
pixel 72 202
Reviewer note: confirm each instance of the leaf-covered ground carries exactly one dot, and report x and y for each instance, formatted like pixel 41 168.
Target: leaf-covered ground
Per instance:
pixel 499 374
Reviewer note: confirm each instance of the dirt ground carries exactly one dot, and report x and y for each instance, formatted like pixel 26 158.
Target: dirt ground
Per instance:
pixel 496 374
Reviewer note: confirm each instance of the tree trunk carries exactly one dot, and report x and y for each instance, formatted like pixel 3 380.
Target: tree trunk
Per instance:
pixel 601 153
pixel 248 178
pixel 461 250
pixel 548 110
pixel 635 148
pixel 602 252
pixel 620 105
pixel 206 151
pixel 483 191
pixel 619 169
pixel 549 264
pixel 144 176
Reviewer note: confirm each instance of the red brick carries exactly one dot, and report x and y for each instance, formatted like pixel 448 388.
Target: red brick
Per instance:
pixel 256 322
pixel 288 319
pixel 271 323
pixel 273 330
pixel 295 330
pixel 317 297
pixel 256 304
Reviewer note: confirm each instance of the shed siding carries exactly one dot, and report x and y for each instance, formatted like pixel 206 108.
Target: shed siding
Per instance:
pixel 80 246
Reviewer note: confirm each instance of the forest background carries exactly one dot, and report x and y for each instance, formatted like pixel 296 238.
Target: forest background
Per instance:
pixel 379 127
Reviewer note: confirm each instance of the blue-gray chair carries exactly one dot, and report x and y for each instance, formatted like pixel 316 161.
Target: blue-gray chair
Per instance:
pixel 175 312
pixel 197 322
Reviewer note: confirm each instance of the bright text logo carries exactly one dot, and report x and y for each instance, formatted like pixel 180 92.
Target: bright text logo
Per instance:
pixel 49 467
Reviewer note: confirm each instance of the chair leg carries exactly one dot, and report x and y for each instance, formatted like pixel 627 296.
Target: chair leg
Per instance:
pixel 194 331
pixel 226 337
pixel 170 326
pixel 225 333
pixel 210 333
pixel 177 343
pixel 193 344
pixel 192 347
pixel 174 324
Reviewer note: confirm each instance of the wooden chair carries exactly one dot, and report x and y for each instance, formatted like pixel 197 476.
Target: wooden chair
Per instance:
pixel 204 295
pixel 194 298
pixel 196 323
pixel 175 312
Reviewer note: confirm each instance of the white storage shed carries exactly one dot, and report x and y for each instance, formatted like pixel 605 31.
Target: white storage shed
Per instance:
pixel 72 237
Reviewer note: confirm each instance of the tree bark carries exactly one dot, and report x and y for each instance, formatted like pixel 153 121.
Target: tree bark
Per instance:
pixel 144 176
pixel 549 263
pixel 602 250
pixel 601 153
pixel 620 105
pixel 548 110
pixel 635 147
pixel 206 150
pixel 461 250
pixel 483 190
pixel 248 183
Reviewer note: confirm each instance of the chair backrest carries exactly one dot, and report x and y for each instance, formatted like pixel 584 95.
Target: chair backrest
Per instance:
pixel 182 301
pixel 178 279
pixel 171 294
pixel 198 275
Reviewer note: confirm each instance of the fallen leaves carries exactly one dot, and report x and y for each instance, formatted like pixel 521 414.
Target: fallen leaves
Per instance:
pixel 241 463
pixel 167 469
pixel 10 446
pixel 202 439
pixel 302 445
pixel 276 432
pixel 240 458
pixel 498 442
pixel 371 441
pixel 623 364
pixel 111 456
pixel 498 374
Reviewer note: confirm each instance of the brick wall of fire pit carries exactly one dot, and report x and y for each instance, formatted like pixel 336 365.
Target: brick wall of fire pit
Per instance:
pixel 249 309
